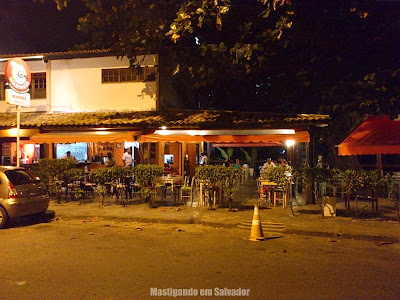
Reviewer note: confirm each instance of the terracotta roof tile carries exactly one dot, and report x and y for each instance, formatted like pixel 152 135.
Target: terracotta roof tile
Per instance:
pixel 64 54
pixel 154 119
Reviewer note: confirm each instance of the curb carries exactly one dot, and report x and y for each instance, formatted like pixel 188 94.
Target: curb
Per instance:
pixel 361 237
pixel 327 234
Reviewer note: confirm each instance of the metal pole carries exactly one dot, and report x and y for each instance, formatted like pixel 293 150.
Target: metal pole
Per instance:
pixel 18 122
pixel 379 163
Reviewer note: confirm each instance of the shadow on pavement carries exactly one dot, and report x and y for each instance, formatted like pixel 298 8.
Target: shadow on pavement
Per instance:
pixel 308 211
pixel 32 219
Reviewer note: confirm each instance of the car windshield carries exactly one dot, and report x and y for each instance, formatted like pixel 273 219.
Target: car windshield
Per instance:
pixel 18 177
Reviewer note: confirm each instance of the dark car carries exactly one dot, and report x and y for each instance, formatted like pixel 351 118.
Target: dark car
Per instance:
pixel 21 193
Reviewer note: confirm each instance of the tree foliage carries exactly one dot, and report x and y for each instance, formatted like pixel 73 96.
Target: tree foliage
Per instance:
pixel 305 56
pixel 210 46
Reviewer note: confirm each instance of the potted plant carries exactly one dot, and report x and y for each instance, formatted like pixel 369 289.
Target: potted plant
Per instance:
pixel 352 182
pixel 393 193
pixel 212 178
pixel 145 176
pixel 230 183
pixel 277 175
pixel 100 176
pixel 101 190
pixel 314 177
pixel 53 173
pixel 373 182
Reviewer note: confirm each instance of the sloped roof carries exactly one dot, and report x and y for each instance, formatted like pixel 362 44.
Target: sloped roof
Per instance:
pixel 64 54
pixel 376 135
pixel 172 118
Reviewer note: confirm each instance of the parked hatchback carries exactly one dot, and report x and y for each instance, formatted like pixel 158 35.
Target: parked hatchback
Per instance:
pixel 21 193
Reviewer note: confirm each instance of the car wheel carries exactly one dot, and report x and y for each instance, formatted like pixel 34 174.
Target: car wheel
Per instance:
pixel 3 218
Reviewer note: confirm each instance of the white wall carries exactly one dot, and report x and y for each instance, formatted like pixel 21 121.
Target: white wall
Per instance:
pixel 76 85
pixel 36 106
pixel 35 66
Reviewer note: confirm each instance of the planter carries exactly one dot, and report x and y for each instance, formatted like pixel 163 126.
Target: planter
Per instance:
pixel 251 172
pixel 329 204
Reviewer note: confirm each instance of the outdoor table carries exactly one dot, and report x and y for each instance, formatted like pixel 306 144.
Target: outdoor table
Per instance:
pixel 89 188
pixel 201 193
pixel 174 179
pixel 70 187
pixel 109 186
pixel 262 173
pixel 268 185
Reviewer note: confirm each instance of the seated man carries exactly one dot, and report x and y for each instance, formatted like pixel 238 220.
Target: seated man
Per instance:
pixel 268 164
pixel 69 156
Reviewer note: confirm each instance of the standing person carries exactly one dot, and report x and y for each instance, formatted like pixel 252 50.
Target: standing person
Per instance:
pixel 186 166
pixel 127 157
pixel 14 160
pixel 203 159
pixel 110 161
pixel 68 155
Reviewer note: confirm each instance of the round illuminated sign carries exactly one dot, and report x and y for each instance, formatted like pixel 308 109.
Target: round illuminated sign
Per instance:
pixel 18 75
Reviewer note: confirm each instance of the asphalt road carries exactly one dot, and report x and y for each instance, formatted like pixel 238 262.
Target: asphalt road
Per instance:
pixel 105 260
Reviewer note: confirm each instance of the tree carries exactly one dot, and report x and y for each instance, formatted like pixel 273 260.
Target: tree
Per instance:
pixel 309 56
pixel 208 46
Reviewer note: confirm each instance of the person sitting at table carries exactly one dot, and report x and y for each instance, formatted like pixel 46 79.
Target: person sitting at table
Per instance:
pixel 69 156
pixel 167 169
pixel 268 164
pixel 285 165
pixel 227 163
pixel 110 161
pixel 237 164
pixel 203 159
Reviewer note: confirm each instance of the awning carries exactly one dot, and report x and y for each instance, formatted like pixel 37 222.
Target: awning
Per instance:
pixel 84 136
pixel 299 136
pixel 376 135
pixel 22 132
pixel 236 145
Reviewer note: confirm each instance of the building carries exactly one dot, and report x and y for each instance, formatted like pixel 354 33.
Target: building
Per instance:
pixel 91 103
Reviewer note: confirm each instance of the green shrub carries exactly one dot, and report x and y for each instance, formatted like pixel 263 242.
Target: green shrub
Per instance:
pixel 103 175
pixel 52 168
pixel 277 175
pixel 145 175
pixel 73 174
pixel 217 176
pixel 99 176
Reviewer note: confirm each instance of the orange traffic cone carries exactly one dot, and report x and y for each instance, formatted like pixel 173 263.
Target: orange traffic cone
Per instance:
pixel 256 228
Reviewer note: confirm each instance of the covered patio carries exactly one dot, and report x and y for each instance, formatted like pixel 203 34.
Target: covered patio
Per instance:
pixel 181 133
pixel 377 135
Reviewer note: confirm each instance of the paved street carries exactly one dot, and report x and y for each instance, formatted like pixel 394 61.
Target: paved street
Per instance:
pixel 91 259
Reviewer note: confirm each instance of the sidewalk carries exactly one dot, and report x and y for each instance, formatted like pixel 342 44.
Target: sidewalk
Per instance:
pixel 380 226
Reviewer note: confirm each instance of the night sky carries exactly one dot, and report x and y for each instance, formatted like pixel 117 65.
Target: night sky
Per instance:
pixel 32 27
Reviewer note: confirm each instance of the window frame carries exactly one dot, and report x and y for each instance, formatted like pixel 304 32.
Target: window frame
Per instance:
pixel 34 91
pixel 121 75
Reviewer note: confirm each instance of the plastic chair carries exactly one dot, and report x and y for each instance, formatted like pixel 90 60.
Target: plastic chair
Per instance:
pixel 280 195
pixel 187 191
pixel 264 194
pixel 160 189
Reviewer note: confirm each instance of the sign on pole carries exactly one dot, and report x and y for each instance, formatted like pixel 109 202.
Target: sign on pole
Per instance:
pixel 19 78
pixel 17 98
pixel 18 75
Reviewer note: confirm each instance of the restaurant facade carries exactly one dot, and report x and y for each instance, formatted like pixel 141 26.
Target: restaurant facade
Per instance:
pixel 91 103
